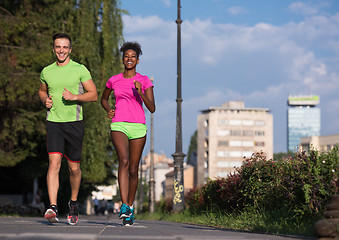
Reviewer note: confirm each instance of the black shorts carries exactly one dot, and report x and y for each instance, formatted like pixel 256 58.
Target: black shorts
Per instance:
pixel 65 139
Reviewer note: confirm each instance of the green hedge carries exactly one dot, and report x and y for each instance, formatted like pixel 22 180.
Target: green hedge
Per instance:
pixel 301 184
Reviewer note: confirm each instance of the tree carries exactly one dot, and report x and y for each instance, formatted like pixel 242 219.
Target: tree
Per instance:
pixel 192 149
pixel 95 27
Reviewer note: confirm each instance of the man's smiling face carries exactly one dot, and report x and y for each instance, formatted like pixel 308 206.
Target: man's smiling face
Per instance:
pixel 62 49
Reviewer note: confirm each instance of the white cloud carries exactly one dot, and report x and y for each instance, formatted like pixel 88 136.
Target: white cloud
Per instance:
pixel 167 3
pixel 302 8
pixel 138 24
pixel 237 10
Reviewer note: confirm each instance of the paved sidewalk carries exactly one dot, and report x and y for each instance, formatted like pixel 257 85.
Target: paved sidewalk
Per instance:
pixel 101 227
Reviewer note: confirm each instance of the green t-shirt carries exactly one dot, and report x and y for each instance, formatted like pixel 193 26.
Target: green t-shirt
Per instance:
pixel 70 77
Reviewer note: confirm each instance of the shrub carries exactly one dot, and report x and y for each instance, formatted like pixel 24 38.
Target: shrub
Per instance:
pixel 301 184
pixel 220 194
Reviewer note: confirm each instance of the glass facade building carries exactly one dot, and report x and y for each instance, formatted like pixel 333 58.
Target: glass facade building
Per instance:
pixel 303 119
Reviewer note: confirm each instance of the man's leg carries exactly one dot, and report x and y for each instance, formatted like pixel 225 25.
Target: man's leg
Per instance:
pixel 74 178
pixel 51 213
pixel 53 177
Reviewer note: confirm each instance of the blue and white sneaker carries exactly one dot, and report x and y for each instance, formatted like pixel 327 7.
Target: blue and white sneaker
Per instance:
pixel 125 211
pixel 129 221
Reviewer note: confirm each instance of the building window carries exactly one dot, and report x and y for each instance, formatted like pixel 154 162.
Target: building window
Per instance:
pixel 235 132
pixel 222 143
pixel 259 133
pixel 222 122
pixel 223 133
pixel 206 154
pixel 259 123
pixel 247 143
pixel 235 143
pixel 247 133
pixel 248 122
pixel 206 143
pixel 222 164
pixel 222 154
pixel 206 164
pixel 235 154
pixel 206 123
pixel 235 122
pixel 259 144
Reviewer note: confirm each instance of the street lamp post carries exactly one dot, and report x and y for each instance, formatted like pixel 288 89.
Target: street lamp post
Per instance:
pixel 178 156
pixel 152 181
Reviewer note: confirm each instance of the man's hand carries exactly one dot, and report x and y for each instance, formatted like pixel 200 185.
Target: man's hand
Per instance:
pixel 49 102
pixel 67 95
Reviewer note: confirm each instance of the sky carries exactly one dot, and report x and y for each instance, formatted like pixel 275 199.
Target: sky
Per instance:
pixel 258 52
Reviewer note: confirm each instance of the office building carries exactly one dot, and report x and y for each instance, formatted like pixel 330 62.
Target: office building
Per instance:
pixel 320 143
pixel 229 133
pixel 303 119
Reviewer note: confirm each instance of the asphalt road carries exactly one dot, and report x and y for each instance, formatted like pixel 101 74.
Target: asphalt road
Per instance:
pixel 101 227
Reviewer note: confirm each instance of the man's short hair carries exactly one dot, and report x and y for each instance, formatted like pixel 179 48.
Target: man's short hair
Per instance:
pixel 62 35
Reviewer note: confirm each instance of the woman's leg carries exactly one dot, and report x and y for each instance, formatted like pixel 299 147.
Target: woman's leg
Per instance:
pixel 136 146
pixel 120 142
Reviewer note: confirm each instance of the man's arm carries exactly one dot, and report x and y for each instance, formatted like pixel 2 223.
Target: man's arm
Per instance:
pixel 91 94
pixel 45 99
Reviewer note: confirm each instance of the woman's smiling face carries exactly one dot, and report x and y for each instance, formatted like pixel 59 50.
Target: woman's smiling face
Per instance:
pixel 130 59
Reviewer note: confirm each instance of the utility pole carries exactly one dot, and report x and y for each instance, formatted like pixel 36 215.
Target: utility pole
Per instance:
pixel 151 180
pixel 178 181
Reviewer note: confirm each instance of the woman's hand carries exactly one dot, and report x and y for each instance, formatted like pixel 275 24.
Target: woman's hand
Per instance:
pixel 111 113
pixel 138 86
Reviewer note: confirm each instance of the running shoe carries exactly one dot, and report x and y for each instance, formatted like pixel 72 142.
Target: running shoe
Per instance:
pixel 73 216
pixel 125 211
pixel 51 214
pixel 129 221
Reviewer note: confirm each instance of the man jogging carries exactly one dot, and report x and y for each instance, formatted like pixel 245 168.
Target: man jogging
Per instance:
pixel 64 85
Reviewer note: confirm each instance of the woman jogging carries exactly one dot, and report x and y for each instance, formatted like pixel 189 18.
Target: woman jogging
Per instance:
pixel 128 127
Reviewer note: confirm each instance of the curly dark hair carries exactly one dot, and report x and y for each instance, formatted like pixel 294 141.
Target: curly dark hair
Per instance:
pixel 131 45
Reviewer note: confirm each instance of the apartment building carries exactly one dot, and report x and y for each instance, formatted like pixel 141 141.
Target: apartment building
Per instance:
pixel 227 134
pixel 320 143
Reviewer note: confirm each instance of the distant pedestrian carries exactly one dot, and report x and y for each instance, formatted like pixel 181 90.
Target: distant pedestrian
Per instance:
pixel 64 85
pixel 96 205
pixel 128 127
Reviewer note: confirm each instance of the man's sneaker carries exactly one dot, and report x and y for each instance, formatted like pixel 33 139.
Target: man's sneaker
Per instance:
pixel 129 221
pixel 51 214
pixel 73 215
pixel 125 211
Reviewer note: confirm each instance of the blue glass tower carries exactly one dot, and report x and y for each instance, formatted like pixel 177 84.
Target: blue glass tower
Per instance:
pixel 303 119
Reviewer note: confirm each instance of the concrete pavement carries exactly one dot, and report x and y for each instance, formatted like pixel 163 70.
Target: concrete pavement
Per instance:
pixel 102 227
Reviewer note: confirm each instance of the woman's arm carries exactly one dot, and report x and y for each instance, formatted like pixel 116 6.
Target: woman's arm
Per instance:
pixel 105 104
pixel 148 99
